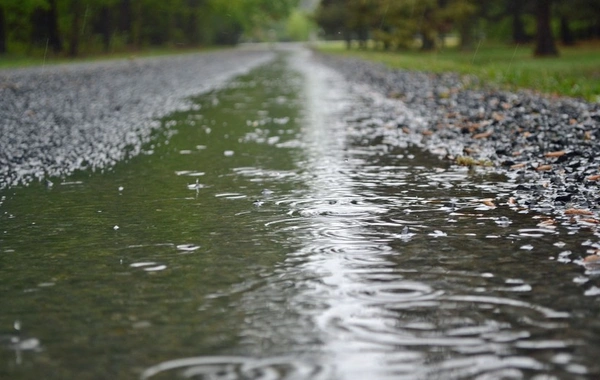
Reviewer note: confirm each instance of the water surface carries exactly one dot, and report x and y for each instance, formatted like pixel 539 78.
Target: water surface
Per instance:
pixel 282 230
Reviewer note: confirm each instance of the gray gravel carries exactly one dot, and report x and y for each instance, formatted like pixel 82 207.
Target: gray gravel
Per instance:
pixel 547 147
pixel 58 119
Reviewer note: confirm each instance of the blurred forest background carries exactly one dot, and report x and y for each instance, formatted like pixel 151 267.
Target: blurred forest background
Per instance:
pixel 83 27
pixel 402 24
pixel 76 27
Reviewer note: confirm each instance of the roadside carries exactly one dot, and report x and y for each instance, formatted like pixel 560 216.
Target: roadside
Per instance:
pixel 57 119
pixel 17 61
pixel 547 147
pixel 575 73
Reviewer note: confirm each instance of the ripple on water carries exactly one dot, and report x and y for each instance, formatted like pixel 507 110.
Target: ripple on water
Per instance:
pixel 238 368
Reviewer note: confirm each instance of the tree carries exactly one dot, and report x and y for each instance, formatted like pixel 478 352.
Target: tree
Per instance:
pixel 2 31
pixel 544 40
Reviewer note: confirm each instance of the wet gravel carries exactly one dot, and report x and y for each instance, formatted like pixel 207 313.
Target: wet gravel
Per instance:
pixel 545 147
pixel 55 120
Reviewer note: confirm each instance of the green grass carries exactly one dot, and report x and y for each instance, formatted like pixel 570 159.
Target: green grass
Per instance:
pixel 12 61
pixel 576 72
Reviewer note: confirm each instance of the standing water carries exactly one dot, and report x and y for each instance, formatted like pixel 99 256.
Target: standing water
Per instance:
pixel 280 230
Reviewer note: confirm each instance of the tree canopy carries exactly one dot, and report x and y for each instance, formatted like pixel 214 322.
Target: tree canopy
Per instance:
pixel 70 26
pixel 398 23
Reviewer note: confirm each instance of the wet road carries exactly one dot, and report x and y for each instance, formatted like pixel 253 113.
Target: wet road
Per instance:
pixel 280 230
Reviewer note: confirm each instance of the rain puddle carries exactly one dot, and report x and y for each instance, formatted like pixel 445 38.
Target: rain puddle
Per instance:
pixel 281 230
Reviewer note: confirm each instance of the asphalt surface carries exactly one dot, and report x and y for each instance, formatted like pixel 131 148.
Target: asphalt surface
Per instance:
pixel 58 119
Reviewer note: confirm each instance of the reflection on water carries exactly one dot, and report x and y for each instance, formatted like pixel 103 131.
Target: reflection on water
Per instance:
pixel 283 230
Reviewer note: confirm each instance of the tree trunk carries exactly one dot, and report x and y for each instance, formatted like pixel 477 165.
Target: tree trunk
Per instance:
pixel 427 42
pixel 465 30
pixel 44 30
pixel 74 39
pixel 519 35
pixel 192 30
pixel 2 31
pixel 136 23
pixel 105 27
pixel 544 40
pixel 566 35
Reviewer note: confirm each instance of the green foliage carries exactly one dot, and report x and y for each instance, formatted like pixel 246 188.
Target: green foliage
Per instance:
pixel 91 26
pixel 299 26
pixel 575 73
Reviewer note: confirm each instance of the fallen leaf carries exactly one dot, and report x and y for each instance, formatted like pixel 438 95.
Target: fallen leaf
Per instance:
pixel 555 154
pixel 591 259
pixel 547 222
pixel 543 168
pixel 578 211
pixel 594 177
pixel 483 135
pixel 427 133
pixel 590 220
pixel 518 166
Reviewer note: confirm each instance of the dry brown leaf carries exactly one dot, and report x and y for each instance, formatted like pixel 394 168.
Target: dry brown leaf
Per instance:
pixel 590 220
pixel 578 211
pixel 518 166
pixel 543 168
pixel 405 130
pixel 512 201
pixel 591 259
pixel 427 133
pixel 547 222
pixel 483 135
pixel 555 154
pixel 489 203
pixel 594 177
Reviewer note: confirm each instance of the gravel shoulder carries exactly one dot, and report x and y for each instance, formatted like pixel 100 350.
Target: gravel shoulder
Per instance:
pixel 546 147
pixel 55 120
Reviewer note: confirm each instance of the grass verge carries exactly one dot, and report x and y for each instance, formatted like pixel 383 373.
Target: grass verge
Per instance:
pixel 13 61
pixel 576 72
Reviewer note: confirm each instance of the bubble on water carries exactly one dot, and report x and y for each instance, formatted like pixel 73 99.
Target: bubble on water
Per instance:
pixel 527 247
pixel 121 188
pixel 187 247
pixel 438 233
pixel 148 266
pixel 195 186
pixel 228 153
pixel 115 227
